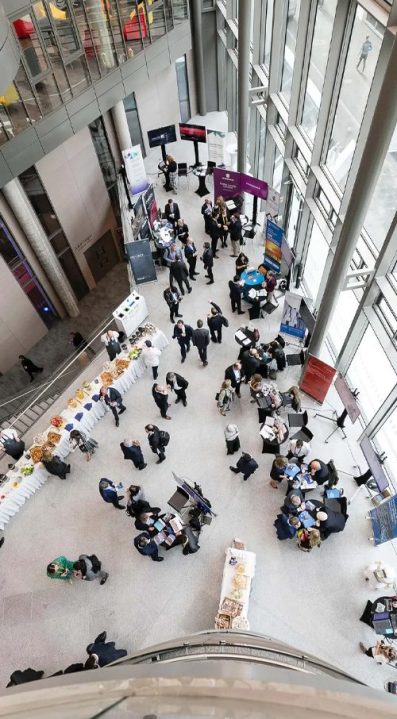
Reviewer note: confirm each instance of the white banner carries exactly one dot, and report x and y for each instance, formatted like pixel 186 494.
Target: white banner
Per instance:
pixel 216 146
pixel 272 205
pixel 135 169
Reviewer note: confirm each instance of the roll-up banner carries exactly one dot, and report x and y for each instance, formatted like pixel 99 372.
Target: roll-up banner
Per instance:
pixel 273 241
pixel 317 378
pixel 141 261
pixel 384 521
pixel 272 205
pixel 139 219
pixel 151 205
pixel 291 321
pixel 135 169
pixel 216 146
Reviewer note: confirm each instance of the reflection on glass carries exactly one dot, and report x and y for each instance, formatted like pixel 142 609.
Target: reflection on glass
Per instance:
pixel 48 94
pixel 294 217
pixel 315 262
pixel 91 48
pixel 26 94
pixel 383 204
pixel 294 7
pixel 318 62
pixel 374 379
pixel 268 32
pixel 386 441
pixel 134 124
pixel 345 310
pixel 50 44
pixel 277 171
pixel 132 27
pixel 360 65
pixel 101 35
pixel 30 45
pixel 78 75
pixel 34 189
pixel 156 20
pixel 13 114
pixel 179 11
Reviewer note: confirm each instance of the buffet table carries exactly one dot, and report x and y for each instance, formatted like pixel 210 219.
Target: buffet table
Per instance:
pixel 17 487
pixel 238 573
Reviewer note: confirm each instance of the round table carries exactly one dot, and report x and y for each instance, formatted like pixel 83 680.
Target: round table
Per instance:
pixel 272 446
pixel 201 173
pixel 252 281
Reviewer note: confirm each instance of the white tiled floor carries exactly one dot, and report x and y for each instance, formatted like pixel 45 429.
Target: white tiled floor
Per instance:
pixel 311 601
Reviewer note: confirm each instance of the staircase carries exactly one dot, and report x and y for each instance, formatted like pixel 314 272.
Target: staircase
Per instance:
pixel 25 421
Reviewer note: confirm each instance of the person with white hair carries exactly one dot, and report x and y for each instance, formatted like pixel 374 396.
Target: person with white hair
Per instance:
pixel 131 450
pixel 232 438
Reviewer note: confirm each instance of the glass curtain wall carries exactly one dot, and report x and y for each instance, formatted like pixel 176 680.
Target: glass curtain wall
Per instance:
pixel 183 88
pixel 134 124
pixel 289 48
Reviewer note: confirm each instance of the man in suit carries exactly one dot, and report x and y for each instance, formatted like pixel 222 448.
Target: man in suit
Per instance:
pixel 172 298
pixel 179 385
pixel 208 260
pixel 236 233
pixel 155 443
pixel 131 450
pixel 235 294
pixel 160 396
pixel 178 271
pixel 246 464
pixel 215 322
pixel 191 257
pixel 172 254
pixel 249 363
pixel 215 232
pixel 234 374
pixel 172 213
pixel 183 333
pixel 113 400
pixel 201 340
pixel 104 652
pixel 147 546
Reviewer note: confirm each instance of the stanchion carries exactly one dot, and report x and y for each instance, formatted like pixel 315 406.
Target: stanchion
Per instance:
pixel 339 421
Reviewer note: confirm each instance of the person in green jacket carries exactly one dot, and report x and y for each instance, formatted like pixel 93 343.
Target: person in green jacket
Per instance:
pixel 60 568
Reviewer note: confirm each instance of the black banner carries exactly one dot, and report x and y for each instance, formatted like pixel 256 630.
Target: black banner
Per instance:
pixel 141 260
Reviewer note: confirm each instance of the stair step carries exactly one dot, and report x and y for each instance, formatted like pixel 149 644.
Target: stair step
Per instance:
pixel 44 405
pixel 31 414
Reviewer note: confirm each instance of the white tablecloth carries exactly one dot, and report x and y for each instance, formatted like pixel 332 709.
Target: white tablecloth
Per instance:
pixel 229 571
pixel 84 417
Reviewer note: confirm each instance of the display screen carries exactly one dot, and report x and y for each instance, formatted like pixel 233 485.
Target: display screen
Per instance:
pixel 162 136
pixel 193 132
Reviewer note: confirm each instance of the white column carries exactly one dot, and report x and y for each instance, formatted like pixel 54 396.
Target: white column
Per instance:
pixel 27 218
pixel 121 126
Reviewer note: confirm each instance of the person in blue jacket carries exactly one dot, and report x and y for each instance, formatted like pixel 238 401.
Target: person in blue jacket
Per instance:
pixel 147 546
pixel 109 494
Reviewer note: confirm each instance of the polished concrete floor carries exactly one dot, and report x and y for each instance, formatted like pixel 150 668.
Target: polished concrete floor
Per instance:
pixel 313 601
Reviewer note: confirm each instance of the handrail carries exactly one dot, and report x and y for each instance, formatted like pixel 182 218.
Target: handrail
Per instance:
pixel 29 391
pixel 60 374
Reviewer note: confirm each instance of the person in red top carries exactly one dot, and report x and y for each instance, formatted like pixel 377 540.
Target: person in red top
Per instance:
pixel 271 282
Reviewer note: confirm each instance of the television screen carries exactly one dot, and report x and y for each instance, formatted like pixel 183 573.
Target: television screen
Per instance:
pixel 307 316
pixel 162 136
pixel 193 132
pixel 374 464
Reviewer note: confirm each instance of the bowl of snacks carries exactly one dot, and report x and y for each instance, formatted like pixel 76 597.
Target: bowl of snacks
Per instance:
pixel 26 470
pixel 53 437
pixel 57 421
pixel 36 454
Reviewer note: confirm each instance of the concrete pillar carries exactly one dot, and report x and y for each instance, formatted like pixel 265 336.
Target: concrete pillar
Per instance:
pixel 197 47
pixel 379 136
pixel 243 56
pixel 27 218
pixel 121 126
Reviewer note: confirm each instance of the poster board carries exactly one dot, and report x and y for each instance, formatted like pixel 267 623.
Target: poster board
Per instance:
pixel 292 322
pixel 141 261
pixel 348 399
pixel 272 205
pixel 384 521
pixel 273 241
pixel 150 205
pixel 216 146
pixel 317 378
pixel 135 169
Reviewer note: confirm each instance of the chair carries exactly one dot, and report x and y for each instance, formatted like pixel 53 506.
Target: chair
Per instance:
pixel 333 474
pixel 305 434
pixel 269 307
pixel 298 420
pixel 296 359
pixel 281 341
pixel 254 311
pixel 183 171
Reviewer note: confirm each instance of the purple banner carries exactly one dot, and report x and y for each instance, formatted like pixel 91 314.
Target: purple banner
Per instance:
pixel 253 186
pixel 226 183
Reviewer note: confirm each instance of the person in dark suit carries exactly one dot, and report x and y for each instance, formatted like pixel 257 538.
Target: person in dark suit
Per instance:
pixel 131 450
pixel 160 396
pixel 179 272
pixel 172 298
pixel 179 385
pixel 113 400
pixel 145 521
pixel 147 546
pixel 233 372
pixel 29 366
pixel 236 233
pixel 109 493
pixel 330 522
pixel 155 443
pixel 246 464
pixel 104 652
pixel 208 260
pixel 183 333
pixel 172 213
pixel 319 471
pixel 215 322
pixel 235 294
pixel 201 340
pixel 215 232
pixel 250 363
pixel 191 257
pixel 206 211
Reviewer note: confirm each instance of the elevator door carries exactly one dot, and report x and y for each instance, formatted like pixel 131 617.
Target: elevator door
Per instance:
pixel 102 256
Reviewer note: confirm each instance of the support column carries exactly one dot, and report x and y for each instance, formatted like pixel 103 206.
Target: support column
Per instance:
pixel 379 136
pixel 27 218
pixel 243 68
pixel 197 46
pixel 121 126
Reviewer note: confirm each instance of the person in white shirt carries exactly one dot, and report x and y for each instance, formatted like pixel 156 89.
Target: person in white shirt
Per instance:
pixel 112 344
pixel 151 357
pixel 298 449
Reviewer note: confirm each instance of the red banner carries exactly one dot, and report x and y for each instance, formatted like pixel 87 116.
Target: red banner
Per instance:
pixel 317 378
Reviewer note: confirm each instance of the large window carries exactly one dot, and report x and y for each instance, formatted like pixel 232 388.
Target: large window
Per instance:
pixel 106 163
pixel 289 49
pixel 183 88
pixel 383 204
pixel 134 124
pixel 385 439
pixel 372 373
pixel 294 217
pixel 268 32
pixel 343 316
pixel 315 262
pixel 359 70
pixel 318 62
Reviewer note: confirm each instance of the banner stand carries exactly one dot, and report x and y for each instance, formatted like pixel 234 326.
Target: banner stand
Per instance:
pixel 250 226
pixel 339 421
